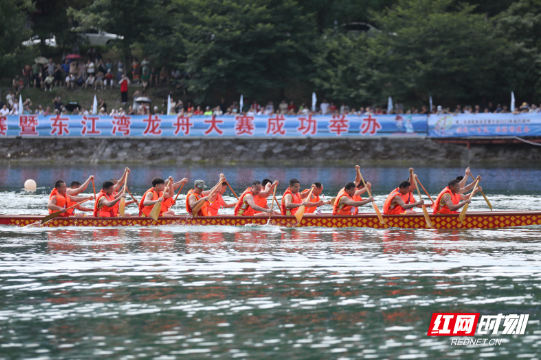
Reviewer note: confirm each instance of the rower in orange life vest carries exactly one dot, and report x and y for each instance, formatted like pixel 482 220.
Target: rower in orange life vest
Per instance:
pixel 60 198
pixel 344 200
pixel 197 196
pixel 449 199
pixel 75 185
pixel 314 202
pixel 106 204
pixel 169 195
pixel 158 193
pixel 266 190
pixel 216 201
pixel 119 183
pixel 292 199
pixel 246 206
pixel 401 201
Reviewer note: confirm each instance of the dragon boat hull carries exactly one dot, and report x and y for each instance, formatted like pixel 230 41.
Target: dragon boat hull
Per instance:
pixel 474 220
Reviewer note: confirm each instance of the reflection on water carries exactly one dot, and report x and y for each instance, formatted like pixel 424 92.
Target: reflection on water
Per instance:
pixel 262 291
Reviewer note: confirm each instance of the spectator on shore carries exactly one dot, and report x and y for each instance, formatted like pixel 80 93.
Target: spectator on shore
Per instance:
pixel 4 111
pixel 10 98
pixel 90 81
pixel 332 108
pixel 135 71
pixel 218 111
pixel 109 65
pixel 208 111
pixel 65 68
pixel 130 111
pixel 283 107
pixel 108 79
pixel 81 72
pixel 324 107
pixel 124 89
pixel 57 103
pixel 57 75
pixel 102 112
pixel 47 111
pixel 291 109
pixel 70 81
pixel 198 111
pixel 27 75
pixel 269 108
pixel 49 80
pixel 50 67
pixel 101 67
pixel 154 77
pixel 145 78
pixel 36 72
pixel 99 81
pixel 119 71
pixel 164 77
pixel 102 104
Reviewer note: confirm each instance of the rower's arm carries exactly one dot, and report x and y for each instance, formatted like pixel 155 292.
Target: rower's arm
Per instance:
pixel 120 182
pixel 469 187
pixel 447 200
pixel 250 201
pixel 147 201
pixel 52 205
pixel 81 188
pixel 104 201
pixel 357 175
pixel 83 208
pixel 192 200
pixel 467 196
pixel 268 189
pixel 179 183
pixel 289 204
pixel 170 191
pixel 405 206
pixel 230 205
pixel 347 201
pixel 463 182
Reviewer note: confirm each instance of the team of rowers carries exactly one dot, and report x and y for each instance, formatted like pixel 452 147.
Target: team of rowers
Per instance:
pixel 254 200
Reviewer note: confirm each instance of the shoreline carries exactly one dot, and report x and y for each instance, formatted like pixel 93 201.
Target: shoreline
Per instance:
pixel 384 151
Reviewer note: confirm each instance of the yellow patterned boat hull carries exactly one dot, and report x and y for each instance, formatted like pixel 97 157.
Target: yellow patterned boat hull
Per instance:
pixel 474 220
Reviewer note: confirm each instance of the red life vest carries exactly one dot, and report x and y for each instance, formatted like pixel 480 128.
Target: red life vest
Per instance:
pixel 203 211
pixel 440 207
pixel 314 199
pixel 397 209
pixel 242 208
pixel 105 211
pixel 341 209
pixel 295 199
pixel 61 200
pixel 146 210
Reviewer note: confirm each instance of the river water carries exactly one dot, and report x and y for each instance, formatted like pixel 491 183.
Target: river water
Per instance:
pixel 263 292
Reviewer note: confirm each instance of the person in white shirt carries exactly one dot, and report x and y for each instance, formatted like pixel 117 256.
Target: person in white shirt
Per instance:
pixel 10 98
pixel 324 107
pixel 218 111
pixel 89 80
pixel 14 109
pixel 4 111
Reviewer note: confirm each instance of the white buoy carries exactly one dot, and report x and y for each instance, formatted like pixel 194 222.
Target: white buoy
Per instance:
pixel 30 185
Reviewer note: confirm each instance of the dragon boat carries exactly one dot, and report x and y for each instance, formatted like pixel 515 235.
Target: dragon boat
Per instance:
pixel 473 220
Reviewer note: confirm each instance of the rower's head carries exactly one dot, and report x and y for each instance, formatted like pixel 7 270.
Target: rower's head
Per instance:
pixel 294 186
pixel 108 187
pixel 75 184
pixel 199 186
pixel 265 182
pixel 158 184
pixel 223 189
pixel 256 187
pixel 460 178
pixel 318 189
pixel 350 188
pixel 404 187
pixel 60 186
pixel 454 185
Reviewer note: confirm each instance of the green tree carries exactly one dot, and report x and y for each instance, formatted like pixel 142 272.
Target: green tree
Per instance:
pixel 437 47
pixel 249 45
pixel 14 32
pixel 521 26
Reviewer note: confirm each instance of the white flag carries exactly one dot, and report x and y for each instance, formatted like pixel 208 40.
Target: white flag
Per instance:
pixel 95 106
pixel 169 105
pixel 512 101
pixel 20 105
pixel 389 105
pixel 241 104
pixel 430 102
pixel 314 101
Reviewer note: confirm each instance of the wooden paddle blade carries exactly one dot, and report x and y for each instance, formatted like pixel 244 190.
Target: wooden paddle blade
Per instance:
pixel 376 209
pixel 51 216
pixel 122 206
pixel 332 201
pixel 155 213
pixel 427 218
pixel 486 199
pixel 300 213
pixel 463 214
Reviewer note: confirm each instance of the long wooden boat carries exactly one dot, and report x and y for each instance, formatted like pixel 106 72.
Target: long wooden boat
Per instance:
pixel 474 220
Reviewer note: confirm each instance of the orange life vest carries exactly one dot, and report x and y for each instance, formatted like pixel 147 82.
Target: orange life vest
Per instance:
pixel 61 200
pixel 397 209
pixel 105 211
pixel 440 207
pixel 203 211
pixel 242 208
pixel 314 199
pixel 215 206
pixel 146 210
pixel 260 201
pixel 355 209
pixel 341 209
pixel 295 199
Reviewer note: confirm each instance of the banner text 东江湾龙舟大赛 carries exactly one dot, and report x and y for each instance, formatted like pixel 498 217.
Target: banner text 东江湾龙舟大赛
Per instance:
pixel 472 125
pixel 274 126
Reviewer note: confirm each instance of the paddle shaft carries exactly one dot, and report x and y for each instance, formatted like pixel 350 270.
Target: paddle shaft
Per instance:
pixel 300 212
pixel 122 205
pixel 376 209
pixel 178 193
pixel 94 188
pixel 425 212
pixel 155 212
pixel 426 192
pixel 482 193
pixel 272 203
pixel 55 214
pixel 233 191
pixel 462 215
pixel 129 192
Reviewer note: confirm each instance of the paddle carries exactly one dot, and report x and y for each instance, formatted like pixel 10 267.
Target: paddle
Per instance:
pixel 272 204
pixel 155 213
pixel 482 193
pixel 129 192
pixel 196 209
pixel 376 209
pixel 178 193
pixel 122 205
pixel 426 192
pixel 233 191
pixel 462 215
pixel 94 187
pixel 300 212
pixel 57 213
pixel 427 217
